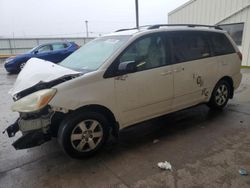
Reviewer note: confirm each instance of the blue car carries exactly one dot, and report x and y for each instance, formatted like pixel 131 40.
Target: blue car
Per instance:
pixel 54 52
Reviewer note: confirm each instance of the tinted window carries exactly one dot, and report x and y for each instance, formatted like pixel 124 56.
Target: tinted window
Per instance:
pixel 148 52
pixel 221 44
pixel 65 45
pixel 45 48
pixel 235 31
pixel 188 46
pixel 58 46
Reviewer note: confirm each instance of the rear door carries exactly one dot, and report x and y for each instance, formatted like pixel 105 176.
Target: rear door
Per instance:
pixel 149 91
pixel 195 70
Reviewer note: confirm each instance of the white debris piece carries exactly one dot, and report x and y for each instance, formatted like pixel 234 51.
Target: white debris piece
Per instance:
pixel 156 141
pixel 165 165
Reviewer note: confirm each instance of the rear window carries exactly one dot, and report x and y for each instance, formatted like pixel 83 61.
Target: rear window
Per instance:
pixel 221 44
pixel 188 46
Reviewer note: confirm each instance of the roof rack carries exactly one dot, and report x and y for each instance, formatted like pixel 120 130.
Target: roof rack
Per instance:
pixel 141 27
pixel 126 29
pixel 171 25
pixel 188 25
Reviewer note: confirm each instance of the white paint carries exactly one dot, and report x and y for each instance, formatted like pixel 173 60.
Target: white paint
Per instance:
pixel 37 70
pixel 141 95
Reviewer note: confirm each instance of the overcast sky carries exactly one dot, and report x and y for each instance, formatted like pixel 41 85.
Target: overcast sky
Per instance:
pixel 41 18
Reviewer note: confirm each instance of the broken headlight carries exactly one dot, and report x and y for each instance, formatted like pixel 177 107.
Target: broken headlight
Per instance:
pixel 34 101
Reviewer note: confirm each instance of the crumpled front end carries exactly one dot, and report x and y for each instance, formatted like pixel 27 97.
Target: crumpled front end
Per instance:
pixel 32 92
pixel 35 128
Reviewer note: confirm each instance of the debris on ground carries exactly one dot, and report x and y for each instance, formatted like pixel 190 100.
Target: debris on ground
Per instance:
pixel 156 141
pixel 241 121
pixel 243 172
pixel 165 165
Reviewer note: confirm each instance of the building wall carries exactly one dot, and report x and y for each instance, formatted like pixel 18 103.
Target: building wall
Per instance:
pixel 243 16
pixel 214 12
pixel 206 11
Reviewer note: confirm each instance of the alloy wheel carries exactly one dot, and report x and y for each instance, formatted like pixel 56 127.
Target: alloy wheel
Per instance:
pixel 86 135
pixel 221 95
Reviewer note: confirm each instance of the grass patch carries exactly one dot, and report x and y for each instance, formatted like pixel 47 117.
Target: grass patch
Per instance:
pixel 245 67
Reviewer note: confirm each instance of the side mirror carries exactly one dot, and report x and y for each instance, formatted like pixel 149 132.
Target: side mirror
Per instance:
pixel 127 67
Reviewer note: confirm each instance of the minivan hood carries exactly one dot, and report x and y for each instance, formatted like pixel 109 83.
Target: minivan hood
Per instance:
pixel 36 71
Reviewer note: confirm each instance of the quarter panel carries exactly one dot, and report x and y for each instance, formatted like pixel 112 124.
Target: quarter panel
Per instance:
pixel 230 65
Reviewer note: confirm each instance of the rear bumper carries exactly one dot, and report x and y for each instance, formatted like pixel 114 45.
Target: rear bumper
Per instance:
pixel 237 80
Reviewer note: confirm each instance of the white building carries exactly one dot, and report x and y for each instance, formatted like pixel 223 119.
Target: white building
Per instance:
pixel 231 15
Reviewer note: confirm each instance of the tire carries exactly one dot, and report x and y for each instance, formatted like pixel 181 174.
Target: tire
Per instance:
pixel 220 95
pixel 83 133
pixel 22 65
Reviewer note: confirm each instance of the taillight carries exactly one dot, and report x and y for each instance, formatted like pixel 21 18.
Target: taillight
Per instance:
pixel 240 55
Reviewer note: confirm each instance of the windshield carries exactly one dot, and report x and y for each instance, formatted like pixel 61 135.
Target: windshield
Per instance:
pixel 30 51
pixel 93 54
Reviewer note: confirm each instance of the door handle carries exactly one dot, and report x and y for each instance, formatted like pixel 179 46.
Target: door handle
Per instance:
pixel 205 54
pixel 179 69
pixel 122 77
pixel 224 63
pixel 166 73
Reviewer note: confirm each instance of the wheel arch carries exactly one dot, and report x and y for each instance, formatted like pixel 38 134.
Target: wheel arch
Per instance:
pixel 229 80
pixel 114 125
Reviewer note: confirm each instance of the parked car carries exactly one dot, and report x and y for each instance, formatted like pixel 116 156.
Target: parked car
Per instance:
pixel 54 52
pixel 121 79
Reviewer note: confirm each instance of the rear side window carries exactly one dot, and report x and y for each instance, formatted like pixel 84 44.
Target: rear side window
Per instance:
pixel 221 44
pixel 45 48
pixel 58 46
pixel 188 46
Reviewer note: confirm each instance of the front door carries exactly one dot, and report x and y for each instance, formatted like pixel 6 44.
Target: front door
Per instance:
pixel 44 52
pixel 149 91
pixel 59 52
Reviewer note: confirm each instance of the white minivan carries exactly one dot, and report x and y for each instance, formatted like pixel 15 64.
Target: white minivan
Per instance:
pixel 121 79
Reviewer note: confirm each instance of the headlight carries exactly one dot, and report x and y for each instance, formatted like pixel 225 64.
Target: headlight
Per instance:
pixel 9 60
pixel 34 101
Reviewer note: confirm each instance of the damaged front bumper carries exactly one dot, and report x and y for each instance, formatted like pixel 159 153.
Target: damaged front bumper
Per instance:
pixel 35 130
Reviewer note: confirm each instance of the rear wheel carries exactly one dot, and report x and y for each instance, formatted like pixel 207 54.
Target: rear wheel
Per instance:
pixel 220 95
pixel 82 134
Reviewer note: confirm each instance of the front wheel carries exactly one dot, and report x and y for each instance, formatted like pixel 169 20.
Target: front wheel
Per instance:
pixel 82 134
pixel 220 95
pixel 22 65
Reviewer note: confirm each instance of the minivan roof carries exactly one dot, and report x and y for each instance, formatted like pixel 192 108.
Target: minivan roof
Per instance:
pixel 171 27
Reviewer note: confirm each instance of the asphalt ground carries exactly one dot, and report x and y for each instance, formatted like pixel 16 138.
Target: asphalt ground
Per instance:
pixel 205 149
